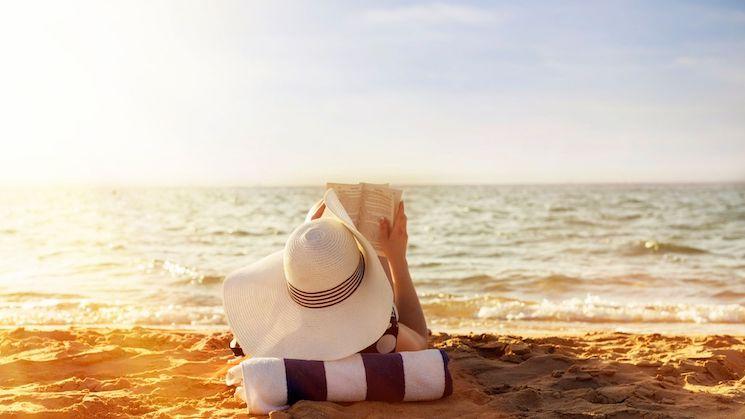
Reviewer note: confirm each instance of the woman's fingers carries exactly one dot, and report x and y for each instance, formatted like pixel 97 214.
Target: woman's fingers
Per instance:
pixel 384 227
pixel 401 218
pixel 319 211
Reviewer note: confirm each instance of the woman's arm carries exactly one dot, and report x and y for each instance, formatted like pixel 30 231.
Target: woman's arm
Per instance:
pixel 394 240
pixel 412 328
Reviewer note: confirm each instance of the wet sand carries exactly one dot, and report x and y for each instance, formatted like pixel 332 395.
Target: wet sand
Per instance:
pixel 79 372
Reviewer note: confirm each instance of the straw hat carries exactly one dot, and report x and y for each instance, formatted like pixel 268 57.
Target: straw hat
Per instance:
pixel 324 297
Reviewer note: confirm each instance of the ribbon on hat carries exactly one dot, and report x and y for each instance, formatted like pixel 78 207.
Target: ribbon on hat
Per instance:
pixel 331 296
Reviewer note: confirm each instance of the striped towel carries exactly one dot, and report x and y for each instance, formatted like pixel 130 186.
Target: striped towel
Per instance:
pixel 268 384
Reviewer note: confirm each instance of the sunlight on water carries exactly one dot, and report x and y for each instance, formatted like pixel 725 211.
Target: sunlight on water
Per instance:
pixel 482 256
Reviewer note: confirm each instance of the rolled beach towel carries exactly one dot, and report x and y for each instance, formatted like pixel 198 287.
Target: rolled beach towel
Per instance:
pixel 268 384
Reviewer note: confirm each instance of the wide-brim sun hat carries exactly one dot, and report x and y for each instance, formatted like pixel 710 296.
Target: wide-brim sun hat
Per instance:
pixel 324 297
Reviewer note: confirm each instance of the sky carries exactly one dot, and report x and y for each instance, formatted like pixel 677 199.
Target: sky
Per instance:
pixel 272 93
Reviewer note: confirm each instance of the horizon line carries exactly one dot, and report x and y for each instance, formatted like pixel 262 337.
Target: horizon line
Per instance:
pixel 405 184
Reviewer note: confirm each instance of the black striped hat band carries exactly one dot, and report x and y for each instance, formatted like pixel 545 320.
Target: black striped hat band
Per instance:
pixel 331 296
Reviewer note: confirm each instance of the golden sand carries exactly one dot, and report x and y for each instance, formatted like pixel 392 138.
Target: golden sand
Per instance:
pixel 163 373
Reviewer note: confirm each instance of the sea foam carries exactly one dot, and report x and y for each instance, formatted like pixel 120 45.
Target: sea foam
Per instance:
pixel 599 310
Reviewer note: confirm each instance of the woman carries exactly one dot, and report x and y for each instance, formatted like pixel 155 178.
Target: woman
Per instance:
pixel 394 238
pixel 328 295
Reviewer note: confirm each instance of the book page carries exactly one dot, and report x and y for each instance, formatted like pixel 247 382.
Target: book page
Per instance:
pixel 377 201
pixel 366 203
pixel 350 197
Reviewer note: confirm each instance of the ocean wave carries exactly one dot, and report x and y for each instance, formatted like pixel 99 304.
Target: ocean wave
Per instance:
pixel 568 283
pixel 97 266
pixel 560 208
pixel 182 274
pixel 200 280
pixel 477 280
pixel 269 231
pixel 429 264
pixel 445 308
pixel 178 270
pixel 34 295
pixel 632 201
pixel 709 283
pixel 594 309
pixel 555 283
pixel 620 217
pixel 438 308
pixel 649 247
pixel 730 295
pixel 455 255
pixel 485 283
pixel 569 221
pixel 210 279
pixel 55 312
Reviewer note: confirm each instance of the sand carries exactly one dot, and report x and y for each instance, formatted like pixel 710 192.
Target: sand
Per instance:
pixel 162 373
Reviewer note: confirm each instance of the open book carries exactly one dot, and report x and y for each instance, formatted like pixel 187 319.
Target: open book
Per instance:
pixel 366 203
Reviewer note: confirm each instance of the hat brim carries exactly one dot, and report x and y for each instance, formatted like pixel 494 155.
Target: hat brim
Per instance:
pixel 268 323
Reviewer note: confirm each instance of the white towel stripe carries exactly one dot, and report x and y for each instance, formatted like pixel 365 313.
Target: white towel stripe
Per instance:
pixel 424 375
pixel 265 384
pixel 345 379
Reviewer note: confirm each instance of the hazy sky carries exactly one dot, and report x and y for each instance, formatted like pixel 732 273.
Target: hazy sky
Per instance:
pixel 241 93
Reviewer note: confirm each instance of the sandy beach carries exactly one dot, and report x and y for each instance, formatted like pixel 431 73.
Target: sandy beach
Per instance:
pixel 74 372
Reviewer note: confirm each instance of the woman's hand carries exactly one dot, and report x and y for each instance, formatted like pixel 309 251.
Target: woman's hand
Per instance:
pixel 394 239
pixel 319 211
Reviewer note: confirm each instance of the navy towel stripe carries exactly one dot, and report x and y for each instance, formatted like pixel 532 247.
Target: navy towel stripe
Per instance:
pixel 306 380
pixel 448 379
pixel 385 377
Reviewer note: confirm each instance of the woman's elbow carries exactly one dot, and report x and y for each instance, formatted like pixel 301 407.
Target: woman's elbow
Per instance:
pixel 409 340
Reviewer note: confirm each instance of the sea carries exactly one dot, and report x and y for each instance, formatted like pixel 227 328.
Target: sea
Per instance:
pixel 515 259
